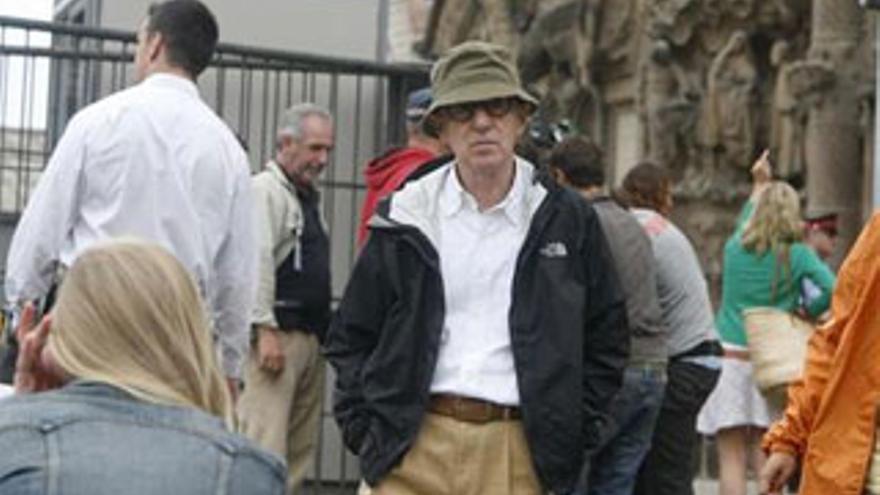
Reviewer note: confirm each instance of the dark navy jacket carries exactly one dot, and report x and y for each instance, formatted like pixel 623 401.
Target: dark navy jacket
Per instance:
pixel 567 326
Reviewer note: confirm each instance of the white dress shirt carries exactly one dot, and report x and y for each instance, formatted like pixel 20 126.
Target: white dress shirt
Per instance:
pixel 154 162
pixel 478 253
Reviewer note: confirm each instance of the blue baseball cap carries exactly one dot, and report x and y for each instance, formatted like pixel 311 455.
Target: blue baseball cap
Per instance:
pixel 417 104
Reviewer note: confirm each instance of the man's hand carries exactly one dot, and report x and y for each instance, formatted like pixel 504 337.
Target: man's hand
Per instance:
pixel 34 371
pixel 271 356
pixel 776 472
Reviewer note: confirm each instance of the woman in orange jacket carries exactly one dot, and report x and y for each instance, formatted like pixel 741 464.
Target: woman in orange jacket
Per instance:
pixel 831 421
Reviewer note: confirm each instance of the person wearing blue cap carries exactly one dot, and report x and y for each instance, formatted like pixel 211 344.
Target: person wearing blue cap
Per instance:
pixel 387 172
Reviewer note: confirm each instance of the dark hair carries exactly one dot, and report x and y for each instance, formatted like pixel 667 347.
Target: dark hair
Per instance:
pixel 189 30
pixel 645 186
pixel 580 161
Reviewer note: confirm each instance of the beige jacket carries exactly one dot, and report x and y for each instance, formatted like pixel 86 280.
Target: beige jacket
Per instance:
pixel 279 223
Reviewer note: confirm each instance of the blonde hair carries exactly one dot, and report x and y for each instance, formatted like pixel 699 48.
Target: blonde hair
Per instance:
pixel 129 314
pixel 776 222
pixel 774 226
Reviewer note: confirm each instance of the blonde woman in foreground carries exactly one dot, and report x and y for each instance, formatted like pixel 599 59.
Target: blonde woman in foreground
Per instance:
pixel 139 404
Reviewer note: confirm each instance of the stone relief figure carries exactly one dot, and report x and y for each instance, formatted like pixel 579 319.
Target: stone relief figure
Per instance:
pixel 789 116
pixel 729 117
pixel 556 57
pixel 740 9
pixel 713 31
pixel 616 34
pixel 781 15
pixel 673 20
pixel 668 103
pixel 810 80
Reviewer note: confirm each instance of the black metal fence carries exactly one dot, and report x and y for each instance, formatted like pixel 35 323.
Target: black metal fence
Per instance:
pixel 49 71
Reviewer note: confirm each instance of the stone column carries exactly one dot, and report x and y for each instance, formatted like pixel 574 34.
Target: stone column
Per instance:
pixel 833 136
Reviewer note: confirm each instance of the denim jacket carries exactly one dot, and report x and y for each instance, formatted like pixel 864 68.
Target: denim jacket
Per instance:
pixel 93 439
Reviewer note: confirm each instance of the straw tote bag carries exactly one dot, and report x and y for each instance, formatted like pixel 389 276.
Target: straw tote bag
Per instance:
pixel 777 343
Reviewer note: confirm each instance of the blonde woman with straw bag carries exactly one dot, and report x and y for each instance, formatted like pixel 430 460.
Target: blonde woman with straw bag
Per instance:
pixel 764 265
pixel 142 406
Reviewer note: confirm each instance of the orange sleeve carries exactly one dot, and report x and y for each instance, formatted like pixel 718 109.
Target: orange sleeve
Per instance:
pixel 858 272
pixel 790 433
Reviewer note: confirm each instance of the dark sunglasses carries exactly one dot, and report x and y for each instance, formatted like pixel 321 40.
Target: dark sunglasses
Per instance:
pixel 496 107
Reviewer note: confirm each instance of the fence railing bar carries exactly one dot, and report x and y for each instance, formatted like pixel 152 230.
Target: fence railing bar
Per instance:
pixel 315 62
pixel 19 186
pixel 220 92
pixel 264 122
pixel 289 89
pixel 305 87
pixel 4 105
pixel 27 124
pixel 278 108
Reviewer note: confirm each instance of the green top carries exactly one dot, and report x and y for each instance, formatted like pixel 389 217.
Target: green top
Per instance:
pixel 747 282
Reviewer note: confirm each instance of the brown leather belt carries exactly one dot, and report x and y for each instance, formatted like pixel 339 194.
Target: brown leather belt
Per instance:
pixel 471 410
pixel 742 355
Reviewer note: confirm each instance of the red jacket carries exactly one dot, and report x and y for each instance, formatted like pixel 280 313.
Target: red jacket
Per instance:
pixel 385 174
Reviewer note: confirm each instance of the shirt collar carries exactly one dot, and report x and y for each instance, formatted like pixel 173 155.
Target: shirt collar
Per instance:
pixel 453 197
pixel 307 193
pixel 172 81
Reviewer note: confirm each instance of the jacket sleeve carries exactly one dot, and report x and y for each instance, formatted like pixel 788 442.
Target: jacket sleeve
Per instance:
pixel 851 304
pixel 269 218
pixel 606 336
pixel 353 334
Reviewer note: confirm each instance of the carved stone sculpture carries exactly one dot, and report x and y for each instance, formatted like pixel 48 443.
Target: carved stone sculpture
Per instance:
pixel 672 20
pixel 555 61
pixel 669 104
pixel 789 117
pixel 729 108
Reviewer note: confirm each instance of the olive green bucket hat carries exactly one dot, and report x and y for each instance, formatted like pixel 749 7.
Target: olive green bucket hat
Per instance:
pixel 476 71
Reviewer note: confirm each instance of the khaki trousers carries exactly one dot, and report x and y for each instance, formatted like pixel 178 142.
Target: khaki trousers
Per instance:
pixel 282 413
pixel 452 457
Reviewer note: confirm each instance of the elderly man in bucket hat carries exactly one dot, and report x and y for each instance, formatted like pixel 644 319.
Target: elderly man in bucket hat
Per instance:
pixel 482 331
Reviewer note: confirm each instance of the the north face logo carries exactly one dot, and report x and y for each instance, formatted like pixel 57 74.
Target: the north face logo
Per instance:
pixel 554 250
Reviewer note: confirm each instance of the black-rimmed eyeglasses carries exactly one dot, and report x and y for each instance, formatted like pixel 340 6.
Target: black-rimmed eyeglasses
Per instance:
pixel 496 107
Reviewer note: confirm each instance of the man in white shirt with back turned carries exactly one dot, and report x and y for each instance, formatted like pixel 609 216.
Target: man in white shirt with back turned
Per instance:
pixel 155 162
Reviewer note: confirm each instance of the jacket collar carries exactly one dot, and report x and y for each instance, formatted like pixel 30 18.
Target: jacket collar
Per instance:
pixel 274 169
pixel 418 204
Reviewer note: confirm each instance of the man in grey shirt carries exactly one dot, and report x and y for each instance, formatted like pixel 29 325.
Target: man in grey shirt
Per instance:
pixel 694 363
pixel 577 162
